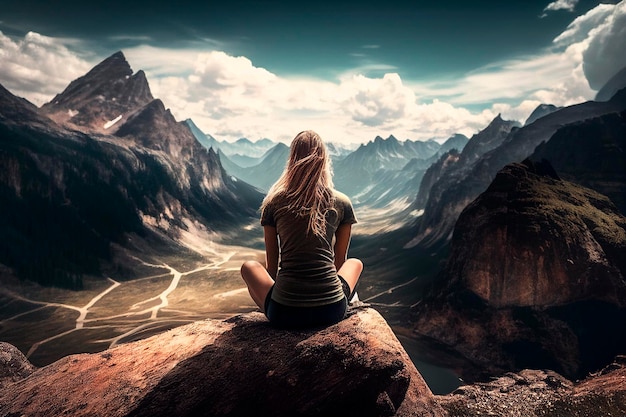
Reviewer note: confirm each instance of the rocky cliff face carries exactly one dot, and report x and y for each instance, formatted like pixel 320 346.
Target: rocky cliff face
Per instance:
pixel 540 111
pixel 13 365
pixel 237 367
pixel 591 153
pixel 534 240
pixel 436 171
pixel 535 277
pixel 102 98
pixel 449 193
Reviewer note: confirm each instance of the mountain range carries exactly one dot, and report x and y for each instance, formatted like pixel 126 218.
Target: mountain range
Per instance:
pixel 100 169
pixel 243 150
pixel 532 215
pixel 264 172
pixel 376 174
pixel 535 230
pixel 464 178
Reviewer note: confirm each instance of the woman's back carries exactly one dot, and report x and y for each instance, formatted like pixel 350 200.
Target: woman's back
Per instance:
pixel 307 274
pixel 307 279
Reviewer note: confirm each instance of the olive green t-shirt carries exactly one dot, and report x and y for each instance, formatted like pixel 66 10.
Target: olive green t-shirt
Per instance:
pixel 307 276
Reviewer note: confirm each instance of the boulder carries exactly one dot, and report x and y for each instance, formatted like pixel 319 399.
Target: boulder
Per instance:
pixel 236 367
pixel 13 365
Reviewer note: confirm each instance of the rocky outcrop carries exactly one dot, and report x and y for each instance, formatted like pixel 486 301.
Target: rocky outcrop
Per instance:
pixel 535 277
pixel 591 153
pixel 102 98
pixel 13 365
pixel 236 367
pixel 534 240
pixel 534 393
pixel 437 170
pixel 449 193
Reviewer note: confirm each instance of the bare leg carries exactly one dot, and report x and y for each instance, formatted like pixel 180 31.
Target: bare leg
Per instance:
pixel 351 271
pixel 258 280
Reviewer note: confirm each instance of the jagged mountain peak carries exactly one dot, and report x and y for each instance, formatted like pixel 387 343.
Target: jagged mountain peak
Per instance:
pixel 496 122
pixel 490 137
pixel 205 139
pixel 245 141
pixel 495 128
pixel 102 97
pixel 155 127
pixel 116 65
pixel 136 122
pixel 390 139
pixel 540 111
pixel 277 155
pixel 456 141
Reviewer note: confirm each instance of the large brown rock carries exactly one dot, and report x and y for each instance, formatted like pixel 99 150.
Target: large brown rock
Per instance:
pixel 535 277
pixel 532 239
pixel 237 367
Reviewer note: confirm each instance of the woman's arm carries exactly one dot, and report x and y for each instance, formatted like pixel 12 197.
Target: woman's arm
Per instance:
pixel 342 241
pixel 271 250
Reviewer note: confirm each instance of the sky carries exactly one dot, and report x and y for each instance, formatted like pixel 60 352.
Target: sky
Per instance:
pixel 349 70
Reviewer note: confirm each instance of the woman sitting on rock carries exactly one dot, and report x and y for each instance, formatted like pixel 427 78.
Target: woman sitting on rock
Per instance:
pixel 307 224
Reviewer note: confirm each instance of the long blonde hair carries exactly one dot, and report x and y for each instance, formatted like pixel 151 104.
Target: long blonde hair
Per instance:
pixel 306 184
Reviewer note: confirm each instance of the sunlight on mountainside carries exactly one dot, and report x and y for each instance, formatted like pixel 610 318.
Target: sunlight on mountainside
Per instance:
pixel 373 221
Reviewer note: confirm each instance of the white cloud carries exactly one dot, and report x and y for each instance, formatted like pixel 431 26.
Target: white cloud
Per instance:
pixel 229 97
pixel 555 76
pixel 579 29
pixel 37 67
pixel 376 102
pixel 605 54
pixel 579 62
pixel 441 120
pixel 600 36
pixel 568 5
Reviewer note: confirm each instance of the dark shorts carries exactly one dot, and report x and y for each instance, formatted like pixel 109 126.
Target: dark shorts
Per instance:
pixel 288 317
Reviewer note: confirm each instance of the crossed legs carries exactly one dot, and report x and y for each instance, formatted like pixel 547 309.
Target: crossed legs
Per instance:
pixel 260 282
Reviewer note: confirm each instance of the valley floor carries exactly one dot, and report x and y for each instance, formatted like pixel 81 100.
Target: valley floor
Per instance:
pixel 49 323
